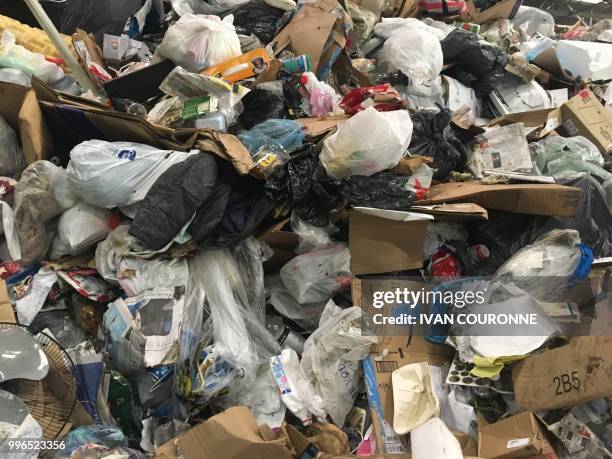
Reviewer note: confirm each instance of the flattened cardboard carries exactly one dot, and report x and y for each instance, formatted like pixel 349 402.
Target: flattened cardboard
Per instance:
pixel 517 436
pixel 7 314
pixel 501 10
pixel 460 212
pixel 536 199
pixel 380 245
pixel 316 127
pixel 548 61
pixel 20 109
pixel 569 375
pixel 232 434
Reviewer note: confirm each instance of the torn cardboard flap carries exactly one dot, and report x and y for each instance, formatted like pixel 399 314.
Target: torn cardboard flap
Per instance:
pixel 408 166
pixel 517 436
pixel 7 314
pixel 380 245
pixel 318 126
pixel 537 199
pixel 454 212
pixel 232 434
pixel 569 375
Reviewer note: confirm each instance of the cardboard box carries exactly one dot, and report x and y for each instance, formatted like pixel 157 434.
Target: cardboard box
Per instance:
pixel 537 199
pixel 583 115
pixel 380 245
pixel 503 9
pixel 232 434
pixel 569 375
pixel 517 436
pixel 7 314
pixel 21 111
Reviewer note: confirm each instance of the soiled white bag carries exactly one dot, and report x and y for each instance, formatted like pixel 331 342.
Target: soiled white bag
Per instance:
pixel 196 42
pixel 369 142
pixel 113 174
pixel 79 228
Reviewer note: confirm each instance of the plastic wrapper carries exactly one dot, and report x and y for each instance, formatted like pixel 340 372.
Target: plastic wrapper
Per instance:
pixel 369 142
pixel 317 276
pixel 79 228
pixel 15 76
pixel 64 329
pixel 421 61
pixel 136 275
pixel 311 237
pixel 287 134
pixel 259 19
pixel 564 157
pixel 109 436
pixel 533 20
pixel 548 265
pixel 197 42
pixel 12 161
pixel 433 136
pixel 16 56
pixel 331 358
pixel 113 174
pixel 261 105
pixel 478 65
pixel 382 97
pixel 39 197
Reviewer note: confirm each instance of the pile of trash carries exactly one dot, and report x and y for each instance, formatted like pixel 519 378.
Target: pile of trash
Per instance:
pixel 323 229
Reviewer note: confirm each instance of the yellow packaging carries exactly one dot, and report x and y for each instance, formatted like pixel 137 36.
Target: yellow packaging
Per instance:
pixel 241 67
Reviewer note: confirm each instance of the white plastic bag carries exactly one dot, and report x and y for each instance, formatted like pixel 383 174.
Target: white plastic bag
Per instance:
pixel 331 358
pixel 311 237
pixel 12 161
pixel 316 276
pixel 15 76
pixel 367 143
pixel 533 20
pixel 196 42
pixel 389 26
pixel 81 227
pixel 113 174
pixel 136 275
pixel 17 57
pixel 414 51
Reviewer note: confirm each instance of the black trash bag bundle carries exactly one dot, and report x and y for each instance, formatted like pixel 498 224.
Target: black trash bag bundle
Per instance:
pixel 227 207
pixel 261 105
pixel 303 182
pixel 593 218
pixel 433 136
pixel 259 19
pixel 477 65
pixel 385 190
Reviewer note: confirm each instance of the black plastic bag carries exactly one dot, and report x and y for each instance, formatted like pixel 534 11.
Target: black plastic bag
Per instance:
pixel 261 105
pixel 259 19
pixel 433 136
pixel 303 182
pixel 385 190
pixel 477 65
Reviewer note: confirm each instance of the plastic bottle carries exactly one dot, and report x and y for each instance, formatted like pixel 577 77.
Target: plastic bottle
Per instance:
pixel 284 335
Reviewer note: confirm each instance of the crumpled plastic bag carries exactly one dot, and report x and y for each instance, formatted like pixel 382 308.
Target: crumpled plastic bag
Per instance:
pixel 196 42
pixel 15 76
pixel 41 194
pixel 367 143
pixel 12 161
pixel 114 174
pixel 316 276
pixel 214 7
pixel 17 57
pixel 259 19
pixel 79 228
pixel 433 136
pixel 286 134
pixel 533 20
pixel 478 65
pixel 331 358
pixel 414 51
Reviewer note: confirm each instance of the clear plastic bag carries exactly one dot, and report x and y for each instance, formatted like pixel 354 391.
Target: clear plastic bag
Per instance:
pixel 81 227
pixel 331 358
pixel 287 134
pixel 12 161
pixel 548 265
pixel 311 237
pixel 113 174
pixel 135 275
pixel 533 20
pixel 16 56
pixel 15 76
pixel 421 61
pixel 314 277
pixel 196 42
pixel 367 143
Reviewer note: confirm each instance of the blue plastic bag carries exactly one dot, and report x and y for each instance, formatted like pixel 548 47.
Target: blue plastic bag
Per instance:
pixel 287 134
